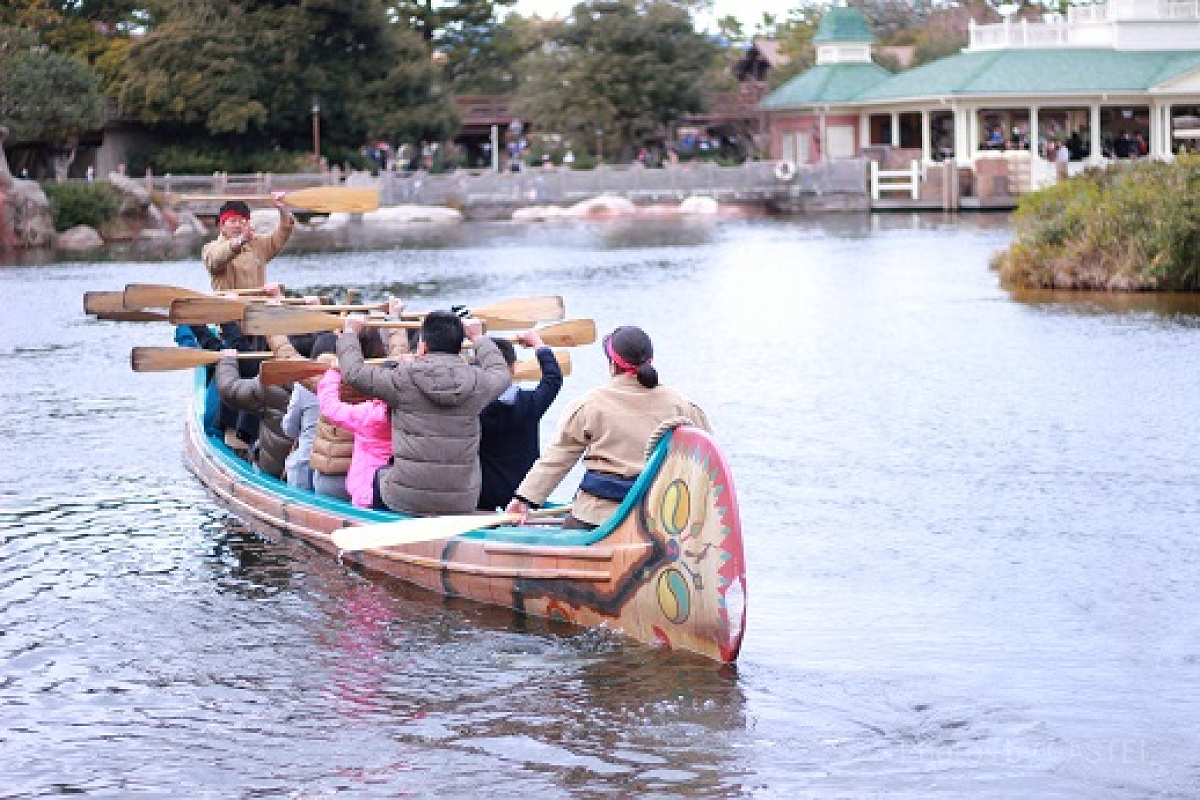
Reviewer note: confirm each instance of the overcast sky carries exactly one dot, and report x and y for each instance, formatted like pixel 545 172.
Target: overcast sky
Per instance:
pixel 748 11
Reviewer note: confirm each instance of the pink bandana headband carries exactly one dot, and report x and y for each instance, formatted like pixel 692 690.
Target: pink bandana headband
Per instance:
pixel 621 363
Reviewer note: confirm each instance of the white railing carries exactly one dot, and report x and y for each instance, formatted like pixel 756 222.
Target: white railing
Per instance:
pixel 896 180
pixel 1056 32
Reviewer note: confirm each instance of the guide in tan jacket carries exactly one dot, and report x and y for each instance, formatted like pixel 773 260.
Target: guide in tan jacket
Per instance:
pixel 435 401
pixel 237 259
pixel 609 428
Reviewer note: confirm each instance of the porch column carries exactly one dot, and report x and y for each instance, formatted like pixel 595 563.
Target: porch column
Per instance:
pixel 1033 132
pixel 864 130
pixel 1094 156
pixel 926 148
pixel 962 136
pixel 895 129
pixel 1160 132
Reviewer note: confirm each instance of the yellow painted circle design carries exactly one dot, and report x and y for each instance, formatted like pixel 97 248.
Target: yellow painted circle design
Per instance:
pixel 673 596
pixel 676 507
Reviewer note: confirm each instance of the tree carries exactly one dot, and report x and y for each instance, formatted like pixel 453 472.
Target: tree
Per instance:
pixel 443 23
pixel 46 98
pixel 795 36
pixel 629 68
pixel 492 63
pixel 260 77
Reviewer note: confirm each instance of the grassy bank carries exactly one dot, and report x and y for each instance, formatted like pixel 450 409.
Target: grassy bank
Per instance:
pixel 1129 228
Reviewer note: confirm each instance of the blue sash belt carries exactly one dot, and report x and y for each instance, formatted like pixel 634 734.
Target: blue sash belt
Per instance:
pixel 605 486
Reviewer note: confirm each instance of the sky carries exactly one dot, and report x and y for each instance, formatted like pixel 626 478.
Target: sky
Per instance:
pixel 749 12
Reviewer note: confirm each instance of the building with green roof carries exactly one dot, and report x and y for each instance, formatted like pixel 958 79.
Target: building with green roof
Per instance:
pixel 1107 81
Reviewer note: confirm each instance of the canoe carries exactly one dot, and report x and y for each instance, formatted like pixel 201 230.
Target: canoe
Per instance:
pixel 668 569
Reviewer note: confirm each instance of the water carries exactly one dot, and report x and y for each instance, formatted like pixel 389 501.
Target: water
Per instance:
pixel 971 539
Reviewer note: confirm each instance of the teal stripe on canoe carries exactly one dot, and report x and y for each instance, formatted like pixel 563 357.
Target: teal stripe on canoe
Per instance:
pixel 531 536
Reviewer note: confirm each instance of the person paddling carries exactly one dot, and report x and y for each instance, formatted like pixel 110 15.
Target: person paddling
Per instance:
pixel 609 428
pixel 237 258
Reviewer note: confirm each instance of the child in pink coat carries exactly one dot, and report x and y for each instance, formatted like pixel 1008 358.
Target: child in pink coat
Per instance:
pixel 369 423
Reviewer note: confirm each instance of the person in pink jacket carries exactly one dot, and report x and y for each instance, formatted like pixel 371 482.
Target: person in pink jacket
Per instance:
pixel 372 430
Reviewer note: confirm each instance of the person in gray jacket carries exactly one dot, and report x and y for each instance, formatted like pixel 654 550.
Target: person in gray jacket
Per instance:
pixel 435 401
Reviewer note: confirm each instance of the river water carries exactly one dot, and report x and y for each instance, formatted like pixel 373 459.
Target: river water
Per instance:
pixel 971 528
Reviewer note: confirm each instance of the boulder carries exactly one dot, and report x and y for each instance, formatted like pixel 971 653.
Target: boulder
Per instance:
pixel 80 237
pixel 134 191
pixel 539 213
pixel 699 205
pixel 28 212
pixel 603 206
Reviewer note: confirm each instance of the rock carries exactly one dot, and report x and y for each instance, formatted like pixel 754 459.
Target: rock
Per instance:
pixel 412 213
pixel 698 205
pixel 29 212
pixel 538 213
pixel 603 206
pixel 264 220
pixel 81 237
pixel 132 189
pixel 188 224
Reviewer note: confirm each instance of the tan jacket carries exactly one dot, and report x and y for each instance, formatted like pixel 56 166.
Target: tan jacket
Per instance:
pixel 247 269
pixel 331 449
pixel 608 427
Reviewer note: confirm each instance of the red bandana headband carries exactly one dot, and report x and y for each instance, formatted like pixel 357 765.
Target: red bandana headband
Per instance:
pixel 621 363
pixel 221 219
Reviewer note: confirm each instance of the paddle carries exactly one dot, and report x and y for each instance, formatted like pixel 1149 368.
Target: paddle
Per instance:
pixel 530 369
pixel 215 310
pixel 156 295
pixel 103 302
pixel 162 359
pixel 426 529
pixel 569 333
pixel 322 199
pixel 133 316
pixel 279 320
pixel 287 370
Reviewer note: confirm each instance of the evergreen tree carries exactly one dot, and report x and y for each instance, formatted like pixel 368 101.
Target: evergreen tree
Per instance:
pixel 629 68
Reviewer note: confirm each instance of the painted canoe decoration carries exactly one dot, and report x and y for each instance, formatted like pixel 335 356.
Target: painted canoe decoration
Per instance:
pixel 668 569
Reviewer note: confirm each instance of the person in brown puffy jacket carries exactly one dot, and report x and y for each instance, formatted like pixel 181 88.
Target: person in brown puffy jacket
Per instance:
pixel 245 392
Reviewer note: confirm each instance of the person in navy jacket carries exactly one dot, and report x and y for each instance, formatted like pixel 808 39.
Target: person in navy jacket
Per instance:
pixel 509 441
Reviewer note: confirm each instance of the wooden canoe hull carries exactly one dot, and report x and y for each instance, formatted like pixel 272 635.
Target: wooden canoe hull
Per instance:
pixel 669 570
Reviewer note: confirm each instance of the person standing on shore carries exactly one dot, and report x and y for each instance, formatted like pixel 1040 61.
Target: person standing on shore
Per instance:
pixel 237 259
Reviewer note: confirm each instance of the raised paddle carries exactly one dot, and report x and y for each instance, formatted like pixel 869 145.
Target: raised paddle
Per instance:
pixel 103 302
pixel 268 320
pixel 163 359
pixel 568 333
pixel 157 295
pixel 287 370
pixel 426 529
pixel 322 199
pixel 215 310
pixel 133 316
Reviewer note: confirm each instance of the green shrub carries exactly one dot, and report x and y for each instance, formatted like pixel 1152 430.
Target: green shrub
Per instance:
pixel 1130 228
pixel 74 204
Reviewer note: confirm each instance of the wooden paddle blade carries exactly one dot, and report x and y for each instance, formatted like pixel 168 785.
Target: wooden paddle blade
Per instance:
pixel 103 302
pixel 268 320
pixel 330 199
pixel 569 333
pixel 206 310
pixel 133 316
pixel 155 295
pixel 162 359
pixel 288 370
pixel 416 529
pixel 530 369
pixel 507 324
pixel 541 309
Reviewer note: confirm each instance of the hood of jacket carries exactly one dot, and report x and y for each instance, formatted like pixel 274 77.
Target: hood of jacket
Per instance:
pixel 444 379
